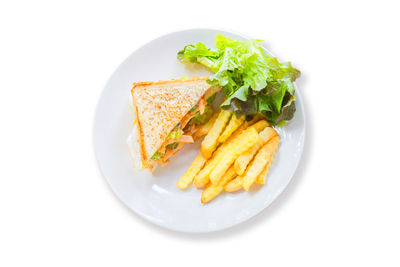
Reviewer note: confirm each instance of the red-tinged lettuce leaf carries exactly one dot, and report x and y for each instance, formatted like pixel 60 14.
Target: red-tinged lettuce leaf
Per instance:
pixel 285 87
pixel 286 114
pixel 240 108
pixel 289 71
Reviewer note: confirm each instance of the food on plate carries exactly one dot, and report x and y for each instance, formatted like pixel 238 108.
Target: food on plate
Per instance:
pixel 211 140
pixel 234 185
pixel 189 175
pixel 239 142
pixel 239 150
pixel 212 191
pixel 168 113
pixel 253 81
pixel 203 177
pixel 233 124
pixel 205 128
pixel 237 183
pixel 263 175
pixel 260 161
pixel 260 125
pixel 243 160
pixel 253 144
pixel 242 143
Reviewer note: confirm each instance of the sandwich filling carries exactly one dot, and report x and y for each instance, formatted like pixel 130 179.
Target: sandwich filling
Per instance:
pixel 182 133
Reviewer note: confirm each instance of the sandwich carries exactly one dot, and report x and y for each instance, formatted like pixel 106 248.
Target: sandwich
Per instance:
pixel 167 114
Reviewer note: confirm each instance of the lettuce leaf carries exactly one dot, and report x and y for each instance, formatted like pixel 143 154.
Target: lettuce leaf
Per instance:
pixel 173 146
pixel 175 133
pixel 202 118
pixel 253 82
pixel 156 156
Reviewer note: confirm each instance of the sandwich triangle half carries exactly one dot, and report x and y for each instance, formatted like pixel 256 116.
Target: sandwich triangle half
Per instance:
pixel 160 106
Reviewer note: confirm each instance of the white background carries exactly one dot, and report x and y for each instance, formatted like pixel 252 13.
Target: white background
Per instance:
pixel 342 208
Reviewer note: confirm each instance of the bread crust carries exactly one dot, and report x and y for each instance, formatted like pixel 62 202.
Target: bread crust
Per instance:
pixel 193 79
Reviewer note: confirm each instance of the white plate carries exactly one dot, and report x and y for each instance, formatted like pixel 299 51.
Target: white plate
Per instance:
pixel 156 197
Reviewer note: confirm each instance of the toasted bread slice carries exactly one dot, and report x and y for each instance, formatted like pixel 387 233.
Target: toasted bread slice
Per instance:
pixel 159 107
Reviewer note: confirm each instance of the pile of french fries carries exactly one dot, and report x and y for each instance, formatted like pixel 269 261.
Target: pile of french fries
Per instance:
pixel 235 154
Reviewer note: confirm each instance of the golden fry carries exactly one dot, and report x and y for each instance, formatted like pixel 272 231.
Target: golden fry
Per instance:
pixel 255 119
pixel 239 145
pixel 212 191
pixel 229 175
pixel 217 166
pixel 260 125
pixel 243 160
pixel 233 124
pixel 203 177
pixel 262 159
pixel 259 117
pixel 267 134
pixel 193 169
pixel 263 175
pixel 254 123
pixel 234 185
pixel 210 142
pixel 235 134
pixel 205 128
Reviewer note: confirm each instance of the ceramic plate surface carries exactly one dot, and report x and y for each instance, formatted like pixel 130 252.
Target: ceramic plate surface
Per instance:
pixel 156 197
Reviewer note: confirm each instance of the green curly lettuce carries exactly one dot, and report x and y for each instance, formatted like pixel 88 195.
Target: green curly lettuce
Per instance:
pixel 253 82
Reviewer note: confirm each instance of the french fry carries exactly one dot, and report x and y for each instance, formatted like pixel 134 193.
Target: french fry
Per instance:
pixel 260 125
pixel 243 160
pixel 212 191
pixel 263 176
pixel 234 185
pixel 255 119
pixel 203 177
pixel 262 159
pixel 233 124
pixel 193 169
pixel 235 134
pixel 210 142
pixel 205 128
pixel 241 128
pixel 234 154
pixel 242 142
pixel 228 176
